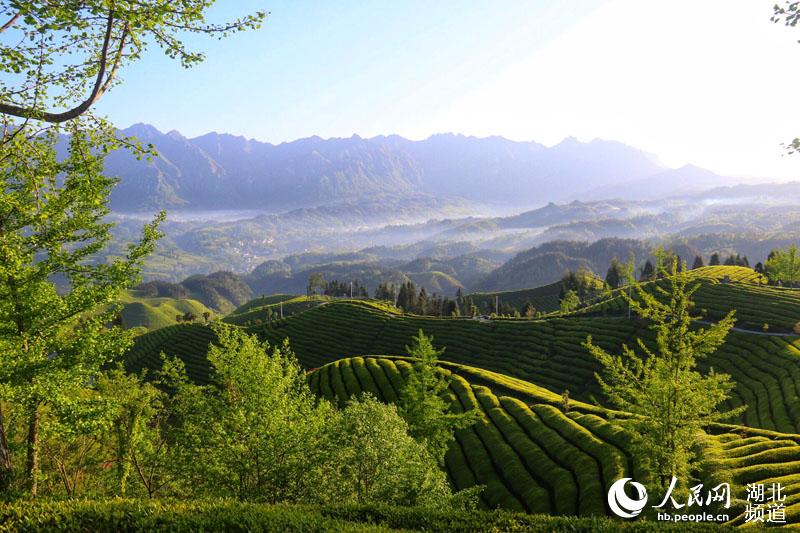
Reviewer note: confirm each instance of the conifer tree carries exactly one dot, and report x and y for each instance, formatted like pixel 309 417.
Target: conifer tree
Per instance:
pixel 423 402
pixel 670 399
pixel 615 274
pixel 648 272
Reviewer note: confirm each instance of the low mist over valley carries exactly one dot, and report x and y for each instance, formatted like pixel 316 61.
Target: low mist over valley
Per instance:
pixel 448 213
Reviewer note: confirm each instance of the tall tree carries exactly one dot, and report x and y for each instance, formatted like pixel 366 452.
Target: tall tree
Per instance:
pixel 371 458
pixel 616 274
pixel 784 265
pixel 52 221
pixel 714 261
pixel 58 60
pixel 315 281
pixel 422 302
pixel 648 273
pixel 570 302
pixel 423 403
pixel 670 400
pixel 698 262
pixel 257 425
pixel 529 310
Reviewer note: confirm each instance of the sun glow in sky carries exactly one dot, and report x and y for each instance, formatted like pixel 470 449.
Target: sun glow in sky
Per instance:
pixel 709 82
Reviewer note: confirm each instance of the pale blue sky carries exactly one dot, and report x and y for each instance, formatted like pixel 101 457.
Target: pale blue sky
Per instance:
pixel 692 81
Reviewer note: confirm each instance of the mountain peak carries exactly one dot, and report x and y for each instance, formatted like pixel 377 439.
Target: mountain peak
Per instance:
pixel 175 134
pixel 142 130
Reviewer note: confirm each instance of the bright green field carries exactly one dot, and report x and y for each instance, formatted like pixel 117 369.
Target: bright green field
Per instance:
pixel 155 313
pixel 755 303
pixel 534 457
pixel 548 353
pixel 531 456
pixel 255 312
pixel 545 298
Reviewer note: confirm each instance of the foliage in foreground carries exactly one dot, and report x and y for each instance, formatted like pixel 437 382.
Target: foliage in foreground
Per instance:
pixel 254 432
pixel 227 515
pixel 53 342
pixel 264 436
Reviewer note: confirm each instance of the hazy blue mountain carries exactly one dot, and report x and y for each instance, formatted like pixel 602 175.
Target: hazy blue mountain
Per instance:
pixel 547 263
pixel 684 180
pixel 221 171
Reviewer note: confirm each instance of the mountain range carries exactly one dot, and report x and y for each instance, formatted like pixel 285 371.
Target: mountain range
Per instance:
pixel 222 171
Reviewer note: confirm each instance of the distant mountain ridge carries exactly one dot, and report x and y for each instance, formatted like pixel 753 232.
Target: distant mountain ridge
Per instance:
pixel 222 171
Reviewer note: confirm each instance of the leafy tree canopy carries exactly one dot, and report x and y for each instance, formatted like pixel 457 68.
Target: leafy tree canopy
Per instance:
pixel 61 57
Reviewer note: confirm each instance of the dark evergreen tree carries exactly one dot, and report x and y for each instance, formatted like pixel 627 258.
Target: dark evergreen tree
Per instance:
pixel 714 261
pixel 402 297
pixel 616 274
pixel 648 272
pixel 411 289
pixel 529 310
pixel 422 302
pixel 698 262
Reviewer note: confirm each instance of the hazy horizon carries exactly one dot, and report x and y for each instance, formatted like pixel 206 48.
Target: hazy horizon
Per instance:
pixel 701 83
pixel 655 156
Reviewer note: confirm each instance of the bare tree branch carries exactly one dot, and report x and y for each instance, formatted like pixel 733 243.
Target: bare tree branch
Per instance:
pixel 10 23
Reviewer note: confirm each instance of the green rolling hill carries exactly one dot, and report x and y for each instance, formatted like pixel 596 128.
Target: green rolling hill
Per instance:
pixel 534 457
pixel 154 313
pixel 548 352
pixel 545 298
pixel 262 310
pixel 530 454
pixel 723 288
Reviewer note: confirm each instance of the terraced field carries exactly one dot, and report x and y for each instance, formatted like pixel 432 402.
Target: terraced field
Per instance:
pixel 188 342
pixel 255 312
pixel 263 301
pixel 547 353
pixel 758 459
pixel 530 455
pixel 545 298
pixel 755 304
pixel 533 457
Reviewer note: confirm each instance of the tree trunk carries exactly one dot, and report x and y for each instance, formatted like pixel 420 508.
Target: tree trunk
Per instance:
pixel 32 465
pixel 6 470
